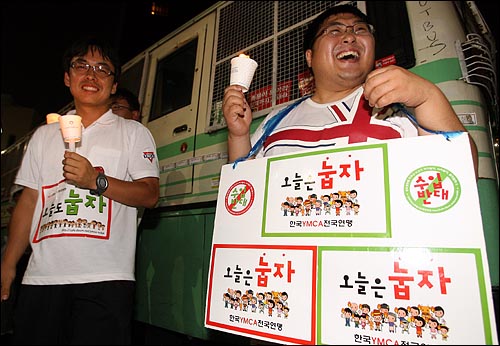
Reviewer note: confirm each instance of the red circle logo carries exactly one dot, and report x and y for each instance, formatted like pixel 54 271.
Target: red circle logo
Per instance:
pixel 239 197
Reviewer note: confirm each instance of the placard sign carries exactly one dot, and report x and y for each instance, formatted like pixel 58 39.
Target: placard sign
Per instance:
pixel 373 243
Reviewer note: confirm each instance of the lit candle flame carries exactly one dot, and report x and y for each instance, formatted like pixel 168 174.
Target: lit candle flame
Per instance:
pixel 52 118
pixel 243 56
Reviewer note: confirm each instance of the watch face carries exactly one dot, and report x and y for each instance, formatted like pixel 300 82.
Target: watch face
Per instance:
pixel 101 185
pixel 102 182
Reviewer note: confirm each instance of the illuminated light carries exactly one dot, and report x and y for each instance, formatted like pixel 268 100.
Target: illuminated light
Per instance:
pixel 52 118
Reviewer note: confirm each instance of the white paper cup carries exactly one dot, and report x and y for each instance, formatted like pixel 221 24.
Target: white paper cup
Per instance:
pixel 242 71
pixel 71 128
pixel 52 118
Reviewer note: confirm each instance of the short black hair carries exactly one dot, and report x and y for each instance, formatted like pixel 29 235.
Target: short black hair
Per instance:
pixel 80 47
pixel 129 96
pixel 313 28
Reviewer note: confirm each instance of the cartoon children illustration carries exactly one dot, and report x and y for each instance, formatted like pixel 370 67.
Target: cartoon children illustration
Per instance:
pixel 355 319
pixel 253 304
pixel 318 207
pixel 353 196
pixel 377 318
pixel 327 208
pixel 236 303
pixel 270 307
pixel 227 299
pixel 338 206
pixel 391 321
pixel 348 207
pixel 354 307
pixel 299 200
pixel 363 320
pixel 439 314
pixel 433 324
pixel 279 308
pixel 326 204
pixel 414 312
pixel 244 303
pixel 269 296
pixel 297 210
pixel 443 330
pixel 371 323
pixel 402 315
pixel 307 207
pixel 355 207
pixel 384 309
pixel 249 295
pixel 418 323
pixel 260 297
pixel 365 309
pixel 261 307
pixel 313 197
pixel 284 298
pixel 346 313
pixel 405 326
pixel 286 311
pixel 285 207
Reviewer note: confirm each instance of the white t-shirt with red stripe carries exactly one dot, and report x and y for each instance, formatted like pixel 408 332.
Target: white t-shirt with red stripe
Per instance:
pixel 313 126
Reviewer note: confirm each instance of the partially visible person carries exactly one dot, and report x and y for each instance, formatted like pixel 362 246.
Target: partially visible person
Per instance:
pixel 78 212
pixel 7 306
pixel 339 48
pixel 125 104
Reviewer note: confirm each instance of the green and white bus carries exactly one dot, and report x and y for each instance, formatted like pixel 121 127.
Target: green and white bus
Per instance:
pixel 180 81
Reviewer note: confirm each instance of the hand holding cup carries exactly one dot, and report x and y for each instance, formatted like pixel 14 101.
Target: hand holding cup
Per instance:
pixel 71 128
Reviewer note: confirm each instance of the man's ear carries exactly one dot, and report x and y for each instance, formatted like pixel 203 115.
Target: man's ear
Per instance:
pixel 136 115
pixel 309 54
pixel 66 79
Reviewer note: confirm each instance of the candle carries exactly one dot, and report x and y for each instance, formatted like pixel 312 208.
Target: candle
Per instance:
pixel 52 118
pixel 242 71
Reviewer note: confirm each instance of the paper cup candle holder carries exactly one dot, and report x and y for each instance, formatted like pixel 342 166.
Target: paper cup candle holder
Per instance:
pixel 71 128
pixel 242 71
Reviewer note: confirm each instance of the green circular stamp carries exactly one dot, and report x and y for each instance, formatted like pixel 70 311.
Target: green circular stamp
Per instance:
pixel 432 189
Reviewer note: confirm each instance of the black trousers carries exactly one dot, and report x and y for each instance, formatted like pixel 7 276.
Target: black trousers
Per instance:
pixel 97 313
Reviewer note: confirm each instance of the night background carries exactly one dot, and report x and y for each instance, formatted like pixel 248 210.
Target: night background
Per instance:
pixel 36 33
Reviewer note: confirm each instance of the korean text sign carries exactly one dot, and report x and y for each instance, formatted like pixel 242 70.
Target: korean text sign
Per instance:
pixel 368 243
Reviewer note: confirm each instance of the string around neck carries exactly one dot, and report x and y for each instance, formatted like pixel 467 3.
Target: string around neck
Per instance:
pixel 268 128
pixel 447 134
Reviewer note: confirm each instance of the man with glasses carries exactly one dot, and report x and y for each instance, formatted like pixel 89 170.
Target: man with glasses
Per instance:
pixel 125 104
pixel 78 213
pixel 351 103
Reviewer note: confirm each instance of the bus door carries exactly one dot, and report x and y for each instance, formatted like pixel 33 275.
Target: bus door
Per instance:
pixel 171 106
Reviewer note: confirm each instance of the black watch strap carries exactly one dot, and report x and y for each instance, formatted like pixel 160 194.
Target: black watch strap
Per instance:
pixel 101 183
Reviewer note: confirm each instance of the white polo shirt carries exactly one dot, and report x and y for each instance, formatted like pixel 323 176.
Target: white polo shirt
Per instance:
pixel 77 237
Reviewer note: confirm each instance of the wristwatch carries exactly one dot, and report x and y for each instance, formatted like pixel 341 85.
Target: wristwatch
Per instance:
pixel 102 184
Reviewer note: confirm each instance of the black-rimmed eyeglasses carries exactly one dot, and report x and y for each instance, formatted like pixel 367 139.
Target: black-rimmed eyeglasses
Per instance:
pixel 117 107
pixel 100 70
pixel 339 29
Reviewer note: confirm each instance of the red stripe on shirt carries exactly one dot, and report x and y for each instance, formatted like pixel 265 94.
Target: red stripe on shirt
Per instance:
pixel 358 131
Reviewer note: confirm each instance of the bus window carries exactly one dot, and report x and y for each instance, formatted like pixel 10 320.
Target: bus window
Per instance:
pixel 392 32
pixel 174 81
pixel 131 78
